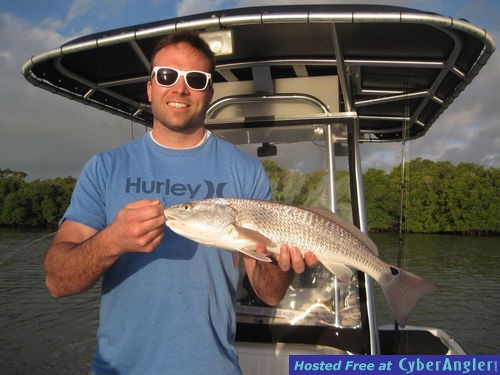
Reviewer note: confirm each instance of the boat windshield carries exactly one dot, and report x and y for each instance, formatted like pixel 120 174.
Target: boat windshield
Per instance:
pixel 314 298
pixel 303 146
pixel 300 176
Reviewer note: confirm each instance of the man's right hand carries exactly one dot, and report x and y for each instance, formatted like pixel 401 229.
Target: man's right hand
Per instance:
pixel 79 255
pixel 138 227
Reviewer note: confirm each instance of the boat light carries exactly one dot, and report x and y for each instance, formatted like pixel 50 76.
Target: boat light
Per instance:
pixel 220 42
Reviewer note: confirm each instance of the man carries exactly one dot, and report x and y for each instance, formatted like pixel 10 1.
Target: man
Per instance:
pixel 167 303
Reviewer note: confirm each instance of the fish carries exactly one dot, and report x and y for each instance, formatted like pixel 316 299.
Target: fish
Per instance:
pixel 242 224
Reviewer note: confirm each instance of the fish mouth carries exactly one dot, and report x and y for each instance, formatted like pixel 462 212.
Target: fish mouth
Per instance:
pixel 171 220
pixel 178 226
pixel 169 214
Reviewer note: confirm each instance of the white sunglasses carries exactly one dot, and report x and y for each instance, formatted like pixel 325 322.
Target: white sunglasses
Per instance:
pixel 167 77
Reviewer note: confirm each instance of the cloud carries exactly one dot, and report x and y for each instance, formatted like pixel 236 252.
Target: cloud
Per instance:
pixel 71 18
pixel 79 8
pixel 17 36
pixel 186 7
pixel 469 130
pixel 45 135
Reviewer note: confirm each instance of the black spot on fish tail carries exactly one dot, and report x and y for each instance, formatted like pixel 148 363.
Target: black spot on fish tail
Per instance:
pixel 394 271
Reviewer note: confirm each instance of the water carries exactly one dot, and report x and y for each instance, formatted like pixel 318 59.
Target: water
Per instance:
pixel 41 335
pixel 466 270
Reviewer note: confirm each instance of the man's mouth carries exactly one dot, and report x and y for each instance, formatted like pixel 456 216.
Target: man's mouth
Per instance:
pixel 177 104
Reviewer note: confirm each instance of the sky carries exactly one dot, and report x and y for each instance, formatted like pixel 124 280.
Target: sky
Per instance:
pixel 49 136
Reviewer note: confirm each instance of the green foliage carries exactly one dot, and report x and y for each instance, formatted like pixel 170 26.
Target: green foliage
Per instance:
pixel 439 197
pixel 381 200
pixel 294 187
pixel 343 192
pixel 40 203
pixel 443 198
pixel 307 189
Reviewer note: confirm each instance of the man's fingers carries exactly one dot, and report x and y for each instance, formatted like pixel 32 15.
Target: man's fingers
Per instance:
pixel 284 260
pixel 310 259
pixel 297 260
pixel 151 239
pixel 290 257
pixel 143 211
pixel 143 202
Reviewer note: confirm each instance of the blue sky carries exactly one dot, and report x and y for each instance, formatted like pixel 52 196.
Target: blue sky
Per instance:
pixel 71 17
pixel 48 136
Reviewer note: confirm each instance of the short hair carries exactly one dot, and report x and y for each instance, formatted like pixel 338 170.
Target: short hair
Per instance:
pixel 190 37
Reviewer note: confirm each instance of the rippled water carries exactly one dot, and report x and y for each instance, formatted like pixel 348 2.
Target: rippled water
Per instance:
pixel 41 335
pixel 467 272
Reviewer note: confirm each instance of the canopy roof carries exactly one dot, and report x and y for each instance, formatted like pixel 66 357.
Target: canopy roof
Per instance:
pixel 398 69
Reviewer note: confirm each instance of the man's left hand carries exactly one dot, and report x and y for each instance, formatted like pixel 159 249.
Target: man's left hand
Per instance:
pixel 290 257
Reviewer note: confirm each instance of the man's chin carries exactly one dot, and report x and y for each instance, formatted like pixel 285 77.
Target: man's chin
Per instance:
pixel 181 127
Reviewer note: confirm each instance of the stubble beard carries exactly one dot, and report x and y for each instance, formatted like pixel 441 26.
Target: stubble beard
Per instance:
pixel 177 124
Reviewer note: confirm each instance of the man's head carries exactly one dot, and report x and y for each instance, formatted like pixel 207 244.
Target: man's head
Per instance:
pixel 189 37
pixel 178 96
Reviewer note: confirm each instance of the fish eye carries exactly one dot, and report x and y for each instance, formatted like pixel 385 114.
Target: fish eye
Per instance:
pixel 186 206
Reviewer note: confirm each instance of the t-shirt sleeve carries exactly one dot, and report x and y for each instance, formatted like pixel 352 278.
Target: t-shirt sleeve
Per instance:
pixel 88 204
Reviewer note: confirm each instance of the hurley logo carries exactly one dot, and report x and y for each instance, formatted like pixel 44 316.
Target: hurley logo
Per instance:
pixel 209 189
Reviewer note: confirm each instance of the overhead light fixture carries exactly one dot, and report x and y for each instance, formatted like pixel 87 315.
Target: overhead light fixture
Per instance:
pixel 220 42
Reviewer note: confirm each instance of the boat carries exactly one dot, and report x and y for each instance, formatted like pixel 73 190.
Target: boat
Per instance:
pixel 297 82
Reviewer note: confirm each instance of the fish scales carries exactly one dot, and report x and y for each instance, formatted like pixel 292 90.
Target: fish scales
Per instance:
pixel 307 230
pixel 243 224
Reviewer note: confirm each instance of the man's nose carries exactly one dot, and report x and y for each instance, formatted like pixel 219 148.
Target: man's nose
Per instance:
pixel 181 85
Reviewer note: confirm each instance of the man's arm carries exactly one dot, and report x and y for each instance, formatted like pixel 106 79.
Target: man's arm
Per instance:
pixel 270 281
pixel 79 255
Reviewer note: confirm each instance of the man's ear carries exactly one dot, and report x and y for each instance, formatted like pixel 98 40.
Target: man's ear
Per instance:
pixel 148 90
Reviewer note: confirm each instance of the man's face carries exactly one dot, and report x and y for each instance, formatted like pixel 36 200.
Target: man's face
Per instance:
pixel 178 108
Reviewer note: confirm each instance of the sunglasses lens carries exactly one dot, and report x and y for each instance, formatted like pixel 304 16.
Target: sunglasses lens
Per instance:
pixel 196 80
pixel 169 77
pixel 166 76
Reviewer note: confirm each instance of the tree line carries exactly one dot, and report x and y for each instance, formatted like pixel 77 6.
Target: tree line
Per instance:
pixel 434 197
pixel 39 203
pixel 438 197
pixel 431 197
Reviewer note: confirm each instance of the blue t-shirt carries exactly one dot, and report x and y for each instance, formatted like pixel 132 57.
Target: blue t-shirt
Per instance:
pixel 170 311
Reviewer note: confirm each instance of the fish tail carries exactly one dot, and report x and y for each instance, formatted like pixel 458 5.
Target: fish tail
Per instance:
pixel 403 291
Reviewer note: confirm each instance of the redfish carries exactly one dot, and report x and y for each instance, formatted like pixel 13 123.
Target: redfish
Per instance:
pixel 241 224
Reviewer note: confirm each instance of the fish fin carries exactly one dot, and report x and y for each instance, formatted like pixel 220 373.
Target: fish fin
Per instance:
pixel 255 255
pixel 403 292
pixel 252 239
pixel 253 235
pixel 341 271
pixel 348 226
